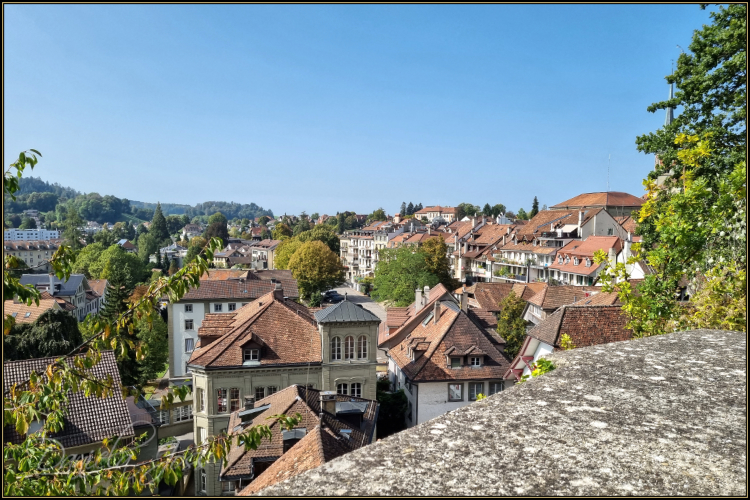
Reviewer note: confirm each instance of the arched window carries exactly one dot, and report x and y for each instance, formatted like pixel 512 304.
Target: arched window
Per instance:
pixel 349 347
pixel 362 347
pixel 335 348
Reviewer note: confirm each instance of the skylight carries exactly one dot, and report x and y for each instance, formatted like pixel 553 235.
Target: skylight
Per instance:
pixel 427 319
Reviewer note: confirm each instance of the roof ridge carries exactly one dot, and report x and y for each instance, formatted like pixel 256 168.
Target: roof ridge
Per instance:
pixel 433 347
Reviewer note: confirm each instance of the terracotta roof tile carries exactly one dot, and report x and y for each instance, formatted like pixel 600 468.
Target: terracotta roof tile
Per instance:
pixel 602 199
pixel 88 419
pixel 28 314
pixel 586 325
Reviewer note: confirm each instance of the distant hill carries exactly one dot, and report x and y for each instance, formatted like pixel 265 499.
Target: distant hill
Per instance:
pixel 36 194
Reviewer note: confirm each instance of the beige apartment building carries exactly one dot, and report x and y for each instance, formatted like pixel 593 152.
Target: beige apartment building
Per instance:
pixel 268 345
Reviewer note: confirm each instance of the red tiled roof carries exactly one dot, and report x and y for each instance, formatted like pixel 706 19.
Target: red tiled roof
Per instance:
pixel 283 330
pixel 586 325
pixel 237 289
pixel 602 199
pixel 98 286
pixel 28 314
pixel 627 223
pixel 436 293
pixel 585 250
pixel 551 298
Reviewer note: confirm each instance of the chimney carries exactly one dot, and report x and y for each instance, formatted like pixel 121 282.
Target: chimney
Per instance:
pixel 429 230
pixel 426 294
pixel 464 301
pixel 417 300
pixel 51 284
pixel 328 402
pixel 249 402
pixel 612 256
pixel 278 292
pixel 436 315
pixel 507 230
pixel 473 221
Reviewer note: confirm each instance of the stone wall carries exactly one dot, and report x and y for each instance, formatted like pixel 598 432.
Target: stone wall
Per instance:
pixel 664 415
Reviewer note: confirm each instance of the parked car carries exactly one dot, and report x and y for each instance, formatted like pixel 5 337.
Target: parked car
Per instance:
pixel 332 296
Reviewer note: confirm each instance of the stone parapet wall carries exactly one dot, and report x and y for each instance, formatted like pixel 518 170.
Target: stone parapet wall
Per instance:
pixel 663 415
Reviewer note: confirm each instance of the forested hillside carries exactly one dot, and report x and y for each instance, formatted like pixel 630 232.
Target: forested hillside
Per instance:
pixel 53 201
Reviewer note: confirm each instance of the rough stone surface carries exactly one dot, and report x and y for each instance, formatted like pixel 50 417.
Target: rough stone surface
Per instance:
pixel 663 415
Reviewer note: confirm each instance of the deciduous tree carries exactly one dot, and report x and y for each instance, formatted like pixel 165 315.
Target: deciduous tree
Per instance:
pixel 510 323
pixel 436 257
pixel 399 272
pixel 316 268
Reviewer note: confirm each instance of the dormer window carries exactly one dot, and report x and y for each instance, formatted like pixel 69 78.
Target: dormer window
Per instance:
pixel 251 355
pixel 475 361
pixel 560 259
pixel 455 362
pixel 567 260
pixel 588 262
pixel 576 261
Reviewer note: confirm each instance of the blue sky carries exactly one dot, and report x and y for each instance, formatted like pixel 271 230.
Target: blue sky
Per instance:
pixel 328 108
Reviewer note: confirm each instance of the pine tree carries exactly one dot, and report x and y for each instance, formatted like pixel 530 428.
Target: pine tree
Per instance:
pixel 159 225
pixel 158 259
pixel 418 207
pixel 173 267
pixel 403 208
pixel 410 209
pixel 487 210
pixel 534 208
pixel 118 292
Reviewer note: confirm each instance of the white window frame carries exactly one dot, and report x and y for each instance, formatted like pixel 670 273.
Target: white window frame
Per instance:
pixel 201 396
pixel 342 389
pixel 203 478
pixel 218 308
pixel 232 307
pixel 234 403
pixel 475 388
pixel 191 342
pixel 189 325
pixel 183 413
pixel 475 361
pixel 362 347
pixel 349 347
pixel 335 348
pixel 355 389
pixel 222 398
pixel 251 355
pixel 460 388
pixel 188 308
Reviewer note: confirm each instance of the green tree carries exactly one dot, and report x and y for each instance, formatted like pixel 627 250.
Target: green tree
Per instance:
pixel 436 257
pixel 377 215
pixel 284 252
pixel 522 214
pixel 694 225
pixel 105 237
pixel 315 216
pixel 158 228
pixel 72 233
pixel 53 333
pixel 510 323
pixel 87 257
pixel 487 210
pixel 218 217
pixel 281 230
pixel 323 233
pixel 392 411
pixel 115 257
pixel 147 246
pixel 265 234
pixel 218 230
pixel 399 272
pixel 341 223
pixel 410 209
pixel 13 220
pixel 301 226
pixel 27 223
pixel 264 220
pixel 316 268
pixel 403 209
pixel 173 266
pixel 534 208
pixel 498 209
pixel 152 337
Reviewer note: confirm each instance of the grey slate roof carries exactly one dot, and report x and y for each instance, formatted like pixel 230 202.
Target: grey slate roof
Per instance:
pixel 69 287
pixel 345 312
pixel 88 419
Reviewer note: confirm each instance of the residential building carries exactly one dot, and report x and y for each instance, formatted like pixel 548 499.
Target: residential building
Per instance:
pixel 269 345
pixel 233 254
pixel 549 299
pixel 473 254
pixel 615 202
pixel 75 291
pixel 528 254
pixel 127 246
pixel 586 325
pixel 92 227
pixel 358 252
pixel 330 425
pixel 221 293
pixel 36 254
pixel 30 234
pixel 191 231
pixel 447 214
pixel 442 354
pixel 263 253
pixel 88 420
pixel 574 263
pixel 22 313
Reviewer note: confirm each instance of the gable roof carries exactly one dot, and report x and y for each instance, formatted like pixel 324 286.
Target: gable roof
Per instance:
pixel 550 298
pixel 344 312
pixel 601 199
pixel 412 316
pixel 284 330
pixel 88 419
pixel 28 314
pixel 42 281
pixel 454 333
pixel 238 289
pixel 587 325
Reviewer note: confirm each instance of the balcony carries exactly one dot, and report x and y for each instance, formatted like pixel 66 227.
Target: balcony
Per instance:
pixel 555 236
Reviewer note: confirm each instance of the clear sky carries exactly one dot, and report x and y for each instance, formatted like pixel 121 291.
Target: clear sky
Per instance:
pixel 328 108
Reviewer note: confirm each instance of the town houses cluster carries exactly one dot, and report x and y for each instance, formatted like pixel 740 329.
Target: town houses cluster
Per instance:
pixel 249 347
